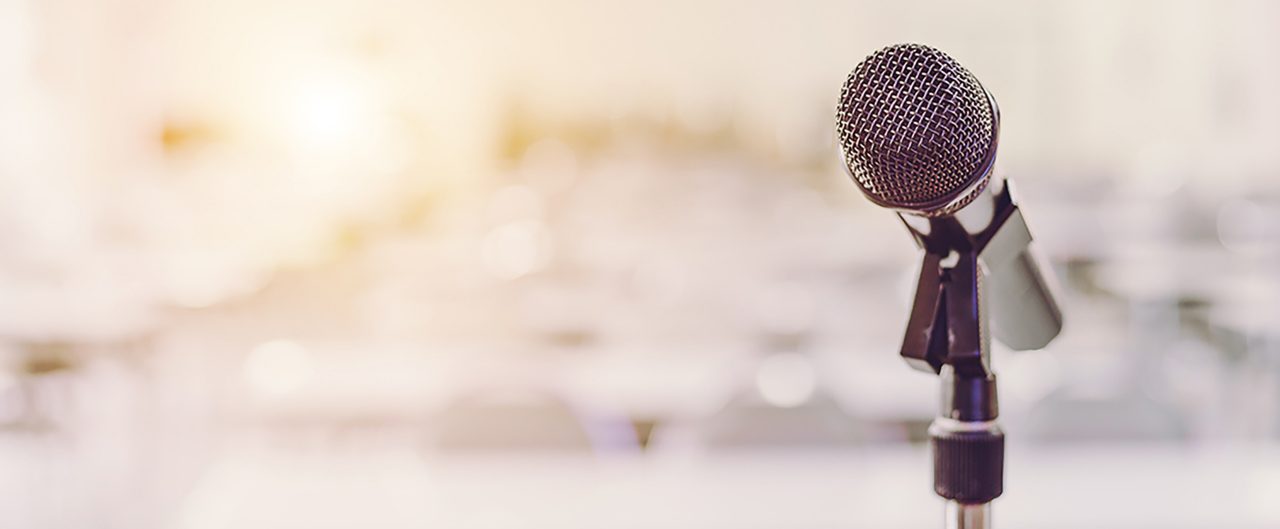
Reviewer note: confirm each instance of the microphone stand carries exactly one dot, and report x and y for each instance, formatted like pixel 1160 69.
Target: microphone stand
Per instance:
pixel 947 335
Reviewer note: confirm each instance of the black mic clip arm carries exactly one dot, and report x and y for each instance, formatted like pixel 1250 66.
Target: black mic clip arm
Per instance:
pixel 948 325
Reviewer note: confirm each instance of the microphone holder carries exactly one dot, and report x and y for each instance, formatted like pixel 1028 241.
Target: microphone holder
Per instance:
pixel 947 335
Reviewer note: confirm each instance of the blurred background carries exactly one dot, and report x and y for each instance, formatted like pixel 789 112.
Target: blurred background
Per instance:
pixel 331 264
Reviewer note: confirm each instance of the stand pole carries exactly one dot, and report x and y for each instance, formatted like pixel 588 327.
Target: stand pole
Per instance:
pixel 968 516
pixel 968 449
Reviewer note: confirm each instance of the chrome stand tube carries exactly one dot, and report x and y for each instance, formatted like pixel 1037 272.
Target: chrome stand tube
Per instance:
pixel 968 515
pixel 968 449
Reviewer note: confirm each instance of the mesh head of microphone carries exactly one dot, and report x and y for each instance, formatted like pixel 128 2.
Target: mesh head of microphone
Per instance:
pixel 917 130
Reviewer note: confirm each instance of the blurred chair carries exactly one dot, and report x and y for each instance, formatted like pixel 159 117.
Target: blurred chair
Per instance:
pixel 525 421
pixel 1243 329
pixel 748 422
pixel 1129 416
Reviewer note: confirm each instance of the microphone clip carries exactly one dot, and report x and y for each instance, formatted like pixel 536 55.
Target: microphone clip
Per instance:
pixel 949 321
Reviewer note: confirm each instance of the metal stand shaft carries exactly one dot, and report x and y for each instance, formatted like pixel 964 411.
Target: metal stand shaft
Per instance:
pixel 968 516
pixel 968 448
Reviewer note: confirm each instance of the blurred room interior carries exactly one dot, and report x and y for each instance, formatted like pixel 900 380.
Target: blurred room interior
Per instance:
pixel 283 263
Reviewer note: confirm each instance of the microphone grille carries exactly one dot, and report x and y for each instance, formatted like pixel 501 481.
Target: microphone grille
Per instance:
pixel 916 129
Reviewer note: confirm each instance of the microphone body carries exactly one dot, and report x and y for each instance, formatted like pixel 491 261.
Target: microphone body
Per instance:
pixel 919 136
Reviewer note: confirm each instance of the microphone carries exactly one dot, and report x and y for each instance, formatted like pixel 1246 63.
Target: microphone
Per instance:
pixel 918 134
